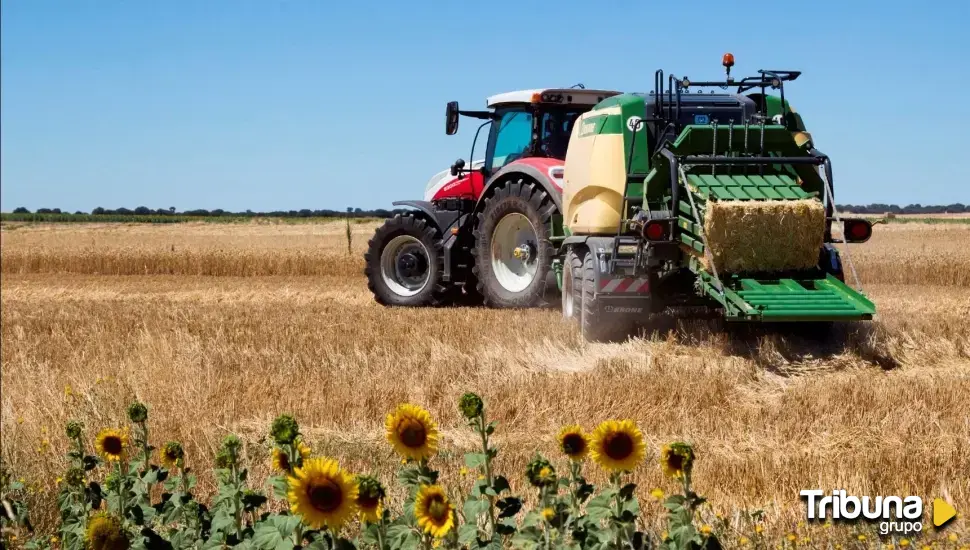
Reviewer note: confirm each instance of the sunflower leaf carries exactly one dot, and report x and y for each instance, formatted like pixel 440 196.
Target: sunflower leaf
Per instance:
pixel 490 429
pixel 632 507
pixel 253 500
pixel 398 532
pixel 584 491
pixel 505 527
pixel 467 533
pixel 369 534
pixel 266 536
pixel 626 492
pixel 473 508
pixel 501 484
pixel 527 538
pixel 684 535
pixel 602 500
pixel 509 506
pixel 221 520
pixel 279 486
pixel 474 460
pixel 411 541
pixel 407 476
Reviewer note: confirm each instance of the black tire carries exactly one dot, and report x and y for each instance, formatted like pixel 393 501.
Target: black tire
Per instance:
pixel 595 326
pixel 529 199
pixel 572 286
pixel 433 292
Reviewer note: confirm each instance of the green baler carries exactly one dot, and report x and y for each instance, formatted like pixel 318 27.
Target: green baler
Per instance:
pixel 636 243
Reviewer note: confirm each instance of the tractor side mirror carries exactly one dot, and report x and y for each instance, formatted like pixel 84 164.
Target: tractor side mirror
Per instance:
pixel 451 118
pixel 457 167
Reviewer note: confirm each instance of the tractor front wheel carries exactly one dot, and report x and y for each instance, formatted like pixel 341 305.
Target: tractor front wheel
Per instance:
pixel 403 263
pixel 513 252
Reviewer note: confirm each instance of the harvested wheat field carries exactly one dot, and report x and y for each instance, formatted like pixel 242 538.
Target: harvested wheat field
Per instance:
pixel 220 328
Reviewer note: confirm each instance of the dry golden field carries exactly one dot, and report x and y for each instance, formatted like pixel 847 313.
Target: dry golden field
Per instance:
pixel 219 328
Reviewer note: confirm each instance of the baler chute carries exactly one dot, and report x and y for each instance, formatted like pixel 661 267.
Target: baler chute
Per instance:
pixel 800 293
pixel 723 204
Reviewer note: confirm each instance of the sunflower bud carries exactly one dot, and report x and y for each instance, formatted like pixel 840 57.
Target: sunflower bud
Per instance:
pixel 112 482
pixel 224 460
pixel 677 459
pixel 137 412
pixel 470 405
pixel 540 472
pixel 74 477
pixel 370 488
pixel 231 444
pixel 73 429
pixel 284 429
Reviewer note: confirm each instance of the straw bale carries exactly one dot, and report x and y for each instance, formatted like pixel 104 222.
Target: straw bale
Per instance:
pixel 764 236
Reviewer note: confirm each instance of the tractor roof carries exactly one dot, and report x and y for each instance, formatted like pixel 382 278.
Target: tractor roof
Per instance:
pixel 577 96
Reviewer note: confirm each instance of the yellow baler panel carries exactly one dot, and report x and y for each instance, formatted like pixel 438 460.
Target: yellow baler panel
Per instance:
pixel 595 177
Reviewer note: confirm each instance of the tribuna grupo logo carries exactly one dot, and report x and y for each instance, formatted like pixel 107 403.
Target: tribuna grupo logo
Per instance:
pixel 895 514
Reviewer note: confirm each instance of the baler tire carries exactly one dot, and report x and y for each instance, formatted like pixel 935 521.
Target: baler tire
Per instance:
pixel 527 198
pixel 572 287
pixel 433 293
pixel 594 326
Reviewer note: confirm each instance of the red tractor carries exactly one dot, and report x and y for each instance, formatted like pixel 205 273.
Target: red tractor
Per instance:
pixel 485 233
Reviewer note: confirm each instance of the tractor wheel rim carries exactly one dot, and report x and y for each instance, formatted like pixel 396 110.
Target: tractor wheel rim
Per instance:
pixel 515 231
pixel 405 265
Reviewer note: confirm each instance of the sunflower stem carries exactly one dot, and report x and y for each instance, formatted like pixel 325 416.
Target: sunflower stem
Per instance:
pixel 237 499
pixel 574 470
pixel 122 481
pixel 145 466
pixel 615 479
pixel 488 472
pixel 380 532
pixel 297 534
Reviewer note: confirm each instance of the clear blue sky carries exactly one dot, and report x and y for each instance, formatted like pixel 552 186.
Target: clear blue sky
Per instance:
pixel 267 105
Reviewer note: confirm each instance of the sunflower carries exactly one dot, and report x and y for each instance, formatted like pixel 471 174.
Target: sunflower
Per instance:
pixel 104 532
pixel 618 445
pixel 370 495
pixel 434 511
pixel 412 432
pixel 281 460
pixel 322 493
pixel 573 442
pixel 676 459
pixel 112 444
pixel 171 455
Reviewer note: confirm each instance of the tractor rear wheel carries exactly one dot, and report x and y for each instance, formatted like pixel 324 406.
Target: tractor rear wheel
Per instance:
pixel 513 252
pixel 572 287
pixel 403 263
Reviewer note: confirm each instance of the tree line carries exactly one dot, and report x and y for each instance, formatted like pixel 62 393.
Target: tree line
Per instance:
pixel 218 212
pixel 875 208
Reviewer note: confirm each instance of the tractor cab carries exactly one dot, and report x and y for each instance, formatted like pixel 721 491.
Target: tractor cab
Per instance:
pixel 526 123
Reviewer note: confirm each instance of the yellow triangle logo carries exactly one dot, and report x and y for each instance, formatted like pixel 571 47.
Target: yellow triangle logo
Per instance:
pixel 942 512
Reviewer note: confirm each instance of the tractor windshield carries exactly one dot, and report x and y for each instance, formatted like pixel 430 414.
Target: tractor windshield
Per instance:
pixel 512 138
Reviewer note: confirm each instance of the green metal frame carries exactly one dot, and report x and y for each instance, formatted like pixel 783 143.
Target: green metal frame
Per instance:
pixel 812 296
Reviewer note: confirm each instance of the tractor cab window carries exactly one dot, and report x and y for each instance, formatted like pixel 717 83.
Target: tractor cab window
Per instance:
pixel 556 128
pixel 514 134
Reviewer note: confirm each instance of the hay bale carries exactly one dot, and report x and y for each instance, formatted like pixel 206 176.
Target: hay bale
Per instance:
pixel 764 236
